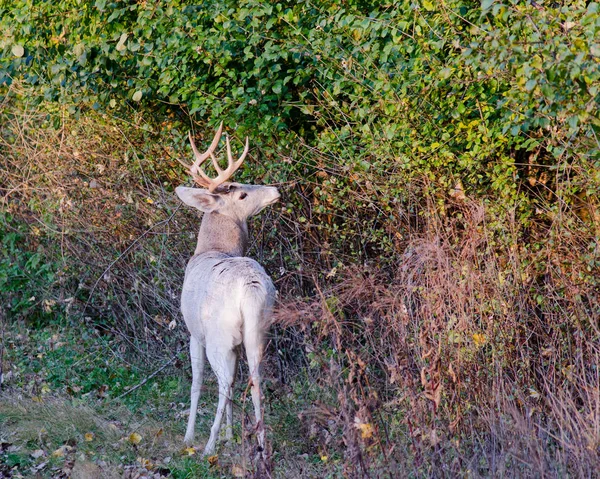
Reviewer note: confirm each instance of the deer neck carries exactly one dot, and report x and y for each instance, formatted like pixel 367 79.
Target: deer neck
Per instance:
pixel 223 234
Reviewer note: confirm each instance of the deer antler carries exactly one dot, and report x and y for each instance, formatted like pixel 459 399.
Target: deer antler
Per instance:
pixel 200 177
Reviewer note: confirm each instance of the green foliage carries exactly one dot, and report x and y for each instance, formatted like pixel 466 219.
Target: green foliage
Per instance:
pixel 464 96
pixel 77 361
pixel 190 467
pixel 26 273
pixel 456 143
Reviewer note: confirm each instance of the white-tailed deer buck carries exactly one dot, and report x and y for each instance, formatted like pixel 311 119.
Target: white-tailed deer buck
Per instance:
pixel 226 298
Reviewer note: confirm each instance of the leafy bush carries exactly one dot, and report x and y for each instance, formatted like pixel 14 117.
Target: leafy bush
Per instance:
pixel 449 150
pixel 499 101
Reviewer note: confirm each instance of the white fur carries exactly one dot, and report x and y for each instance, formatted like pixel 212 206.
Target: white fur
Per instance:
pixel 226 299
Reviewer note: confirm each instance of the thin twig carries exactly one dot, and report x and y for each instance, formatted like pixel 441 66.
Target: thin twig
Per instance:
pixel 127 250
pixel 149 377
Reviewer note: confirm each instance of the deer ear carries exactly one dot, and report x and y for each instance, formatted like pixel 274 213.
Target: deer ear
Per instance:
pixel 201 199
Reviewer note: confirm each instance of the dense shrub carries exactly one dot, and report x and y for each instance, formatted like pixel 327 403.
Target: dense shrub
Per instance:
pixel 499 101
pixel 438 245
pixel 25 272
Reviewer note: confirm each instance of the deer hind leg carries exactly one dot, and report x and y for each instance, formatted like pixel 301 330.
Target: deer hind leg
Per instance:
pixel 229 410
pixel 254 350
pixel 223 364
pixel 197 355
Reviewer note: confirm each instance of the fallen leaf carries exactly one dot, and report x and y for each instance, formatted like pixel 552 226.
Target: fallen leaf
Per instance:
pixel 365 428
pixel 134 438
pixel 61 451
pixel 237 471
pixel 37 454
pixel 145 463
pixel 189 451
pixel 212 460
pixel 479 339
pixel 39 467
pixel 89 436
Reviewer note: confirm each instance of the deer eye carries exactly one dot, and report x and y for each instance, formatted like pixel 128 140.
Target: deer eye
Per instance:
pixel 242 196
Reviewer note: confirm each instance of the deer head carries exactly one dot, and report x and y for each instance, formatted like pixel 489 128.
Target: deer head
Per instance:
pixel 234 200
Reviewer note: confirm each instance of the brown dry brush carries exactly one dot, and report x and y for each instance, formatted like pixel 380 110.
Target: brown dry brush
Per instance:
pixel 480 352
pixel 96 208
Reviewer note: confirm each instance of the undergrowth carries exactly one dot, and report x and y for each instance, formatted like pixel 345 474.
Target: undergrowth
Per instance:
pixel 71 399
pixel 476 354
pixel 436 248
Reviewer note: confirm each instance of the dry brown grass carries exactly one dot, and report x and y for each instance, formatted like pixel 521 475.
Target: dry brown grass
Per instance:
pixel 54 431
pixel 96 207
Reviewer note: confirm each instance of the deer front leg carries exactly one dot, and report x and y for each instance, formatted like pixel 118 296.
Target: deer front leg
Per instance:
pixel 197 355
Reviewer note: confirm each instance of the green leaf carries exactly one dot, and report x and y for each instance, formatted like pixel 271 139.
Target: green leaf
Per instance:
pixel 18 50
pixel 445 73
pixel 121 43
pixel 79 49
pixel 486 4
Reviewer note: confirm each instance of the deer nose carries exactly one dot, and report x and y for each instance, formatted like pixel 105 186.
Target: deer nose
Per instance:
pixel 274 194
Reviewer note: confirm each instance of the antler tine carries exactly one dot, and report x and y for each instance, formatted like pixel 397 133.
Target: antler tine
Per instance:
pixel 216 164
pixel 235 164
pixel 232 166
pixel 201 158
pixel 222 175
pixel 241 159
